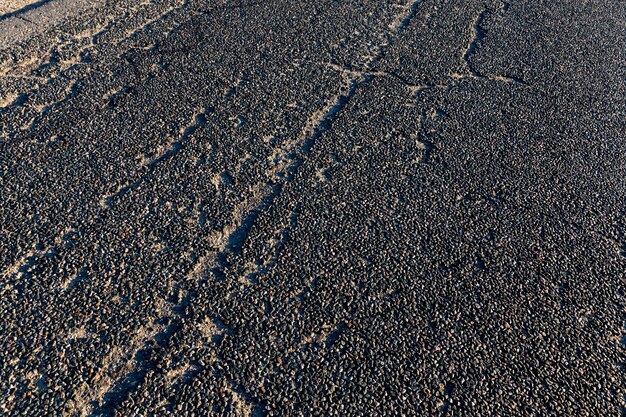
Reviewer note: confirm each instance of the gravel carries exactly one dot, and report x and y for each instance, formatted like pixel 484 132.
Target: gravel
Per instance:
pixel 330 208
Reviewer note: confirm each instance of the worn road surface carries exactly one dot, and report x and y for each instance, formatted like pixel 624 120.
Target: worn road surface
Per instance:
pixel 331 207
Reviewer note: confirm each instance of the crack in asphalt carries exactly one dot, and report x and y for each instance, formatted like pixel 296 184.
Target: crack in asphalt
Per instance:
pixel 234 241
pixel 285 235
pixel 249 290
pixel 89 49
pixel 199 120
pixel 146 26
pixel 478 34
pixel 72 90
pixel 423 143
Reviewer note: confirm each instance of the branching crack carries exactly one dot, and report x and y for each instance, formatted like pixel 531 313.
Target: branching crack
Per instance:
pixel 478 34
pixel 233 239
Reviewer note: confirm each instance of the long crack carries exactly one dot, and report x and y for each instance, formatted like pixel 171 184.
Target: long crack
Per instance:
pixel 319 124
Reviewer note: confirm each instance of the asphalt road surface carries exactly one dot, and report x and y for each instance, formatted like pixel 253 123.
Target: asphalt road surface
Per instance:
pixel 341 207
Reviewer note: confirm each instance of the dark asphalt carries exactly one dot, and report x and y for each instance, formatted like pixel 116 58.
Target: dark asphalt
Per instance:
pixel 333 207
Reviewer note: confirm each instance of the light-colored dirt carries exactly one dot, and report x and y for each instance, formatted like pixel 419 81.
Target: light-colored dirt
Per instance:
pixel 33 21
pixel 8 6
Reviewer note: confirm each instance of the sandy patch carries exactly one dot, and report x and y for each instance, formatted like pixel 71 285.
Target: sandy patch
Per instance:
pixel 8 6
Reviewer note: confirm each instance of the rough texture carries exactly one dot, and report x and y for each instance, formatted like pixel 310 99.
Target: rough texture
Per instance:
pixel 315 208
pixel 20 21
pixel 10 6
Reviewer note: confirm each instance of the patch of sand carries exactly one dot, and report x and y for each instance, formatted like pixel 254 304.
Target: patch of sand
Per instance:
pixel 9 6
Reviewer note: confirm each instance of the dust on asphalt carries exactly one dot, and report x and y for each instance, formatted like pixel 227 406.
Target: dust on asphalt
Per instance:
pixel 331 208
